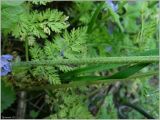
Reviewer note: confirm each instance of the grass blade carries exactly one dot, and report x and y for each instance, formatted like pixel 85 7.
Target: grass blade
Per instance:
pixel 94 17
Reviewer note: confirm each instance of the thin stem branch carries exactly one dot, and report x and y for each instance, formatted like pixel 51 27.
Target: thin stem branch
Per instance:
pixel 104 60
pixel 139 75
pixel 139 109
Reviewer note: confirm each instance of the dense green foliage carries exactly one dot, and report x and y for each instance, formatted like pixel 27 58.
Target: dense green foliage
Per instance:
pixel 46 30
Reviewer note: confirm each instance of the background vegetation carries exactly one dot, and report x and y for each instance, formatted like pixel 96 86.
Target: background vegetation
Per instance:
pixel 59 36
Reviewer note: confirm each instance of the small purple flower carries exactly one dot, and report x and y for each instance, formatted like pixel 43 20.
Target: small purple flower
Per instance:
pixel 108 49
pixel 112 5
pixel 62 53
pixel 5 64
pixel 111 27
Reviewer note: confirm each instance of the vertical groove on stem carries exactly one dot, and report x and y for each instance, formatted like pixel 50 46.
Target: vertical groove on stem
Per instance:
pixel 21 110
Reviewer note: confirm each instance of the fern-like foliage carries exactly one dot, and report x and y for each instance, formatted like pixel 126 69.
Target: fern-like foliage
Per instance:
pixel 50 20
pixel 108 110
pixel 39 24
pixel 146 35
pixel 41 2
pixel 70 45
pixel 43 72
pixel 71 106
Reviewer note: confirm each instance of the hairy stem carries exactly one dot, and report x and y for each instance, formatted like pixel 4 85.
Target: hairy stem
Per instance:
pixel 104 60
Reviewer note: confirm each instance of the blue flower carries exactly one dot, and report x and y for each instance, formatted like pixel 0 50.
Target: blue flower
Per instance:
pixel 108 49
pixel 111 27
pixel 112 5
pixel 62 53
pixel 5 64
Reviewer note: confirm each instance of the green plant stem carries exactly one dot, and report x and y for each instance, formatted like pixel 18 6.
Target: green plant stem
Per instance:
pixel 139 109
pixel 82 83
pixel 104 60
pixel 142 29
pixel 139 75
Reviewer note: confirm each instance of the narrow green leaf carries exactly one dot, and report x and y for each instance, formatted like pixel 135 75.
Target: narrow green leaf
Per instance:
pixel 74 84
pixel 128 71
pixel 92 68
pixel 102 67
pixel 94 17
pixel 125 73
pixel 116 18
